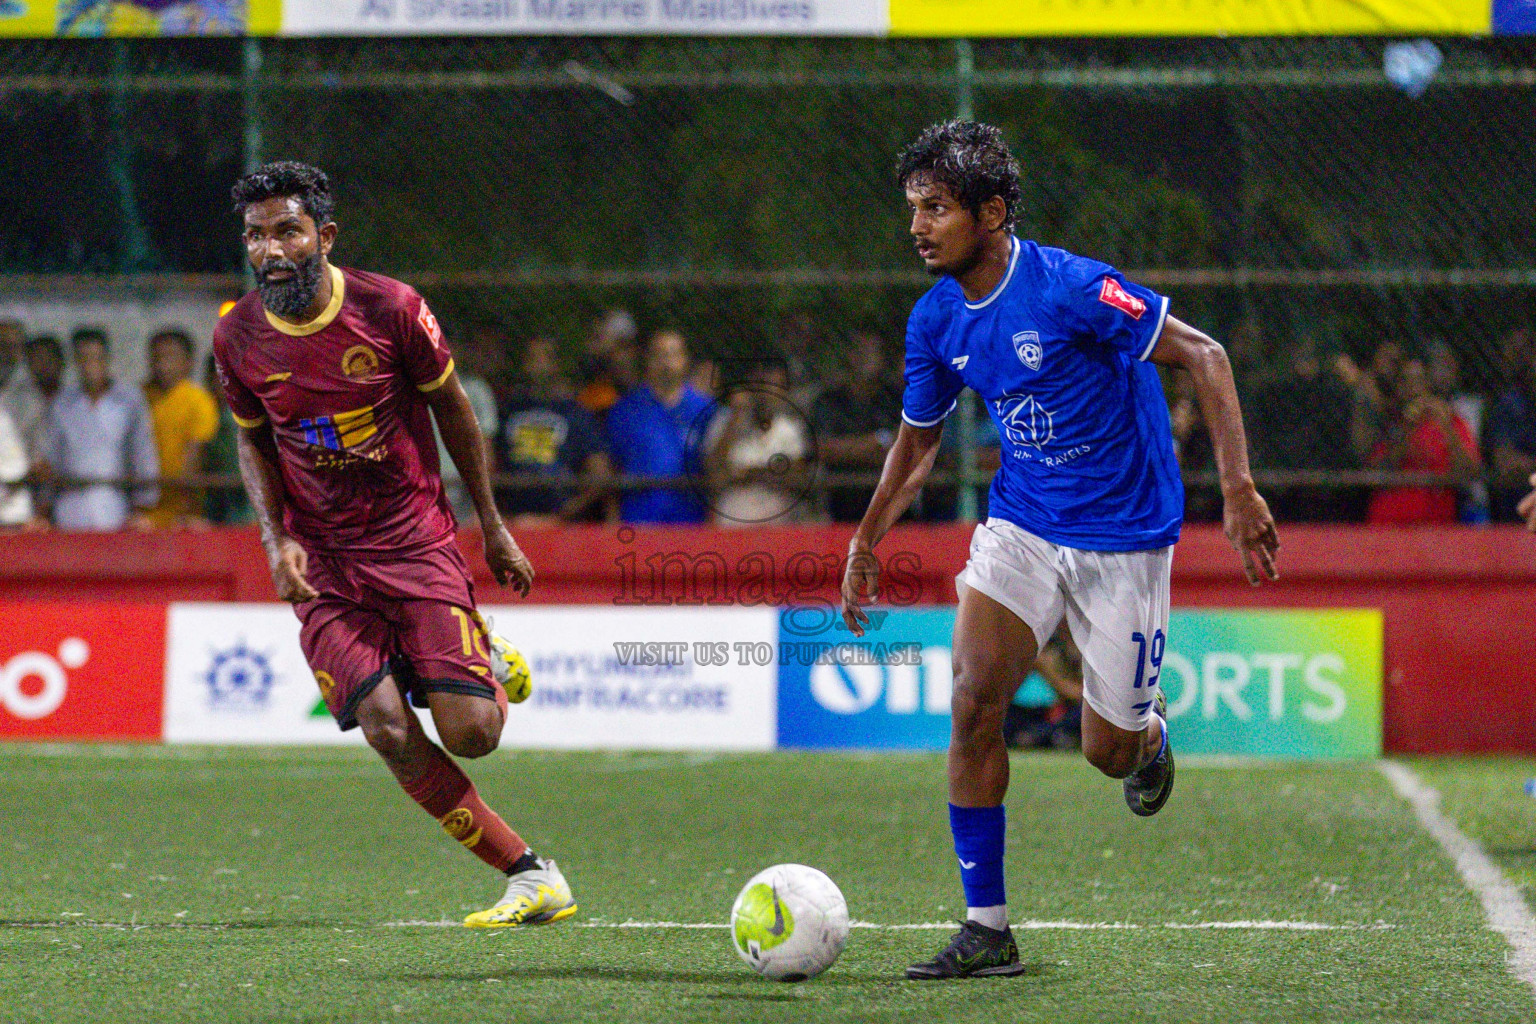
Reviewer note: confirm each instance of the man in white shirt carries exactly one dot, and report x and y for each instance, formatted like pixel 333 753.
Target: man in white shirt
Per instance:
pixel 100 430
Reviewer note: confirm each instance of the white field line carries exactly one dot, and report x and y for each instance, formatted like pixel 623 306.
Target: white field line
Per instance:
pixel 1083 926
pixel 1507 913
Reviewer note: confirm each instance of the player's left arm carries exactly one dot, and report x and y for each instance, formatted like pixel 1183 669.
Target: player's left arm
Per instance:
pixel 466 446
pixel 1249 526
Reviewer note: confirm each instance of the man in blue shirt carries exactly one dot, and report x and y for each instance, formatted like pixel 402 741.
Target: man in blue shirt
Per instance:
pixel 656 430
pixel 1083 512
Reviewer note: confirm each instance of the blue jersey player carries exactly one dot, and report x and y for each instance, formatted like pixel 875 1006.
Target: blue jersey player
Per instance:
pixel 1084 511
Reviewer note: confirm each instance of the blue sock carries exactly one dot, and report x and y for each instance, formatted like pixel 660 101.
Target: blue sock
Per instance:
pixel 978 833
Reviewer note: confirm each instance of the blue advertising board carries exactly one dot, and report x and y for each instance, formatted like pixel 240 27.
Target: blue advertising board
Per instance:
pixel 1302 683
pixel 886 690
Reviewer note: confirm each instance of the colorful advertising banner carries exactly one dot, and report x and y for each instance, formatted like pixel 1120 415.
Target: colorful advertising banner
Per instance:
pixel 81 671
pixel 1275 683
pixel 1303 684
pixel 95 18
pixel 947 18
pixel 646 678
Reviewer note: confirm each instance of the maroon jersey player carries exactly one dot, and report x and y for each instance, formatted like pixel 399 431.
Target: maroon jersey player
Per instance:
pixel 335 377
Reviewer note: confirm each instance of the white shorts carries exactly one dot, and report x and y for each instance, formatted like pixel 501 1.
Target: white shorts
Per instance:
pixel 1115 602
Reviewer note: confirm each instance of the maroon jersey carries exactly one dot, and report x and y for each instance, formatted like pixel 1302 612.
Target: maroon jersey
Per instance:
pixel 346 397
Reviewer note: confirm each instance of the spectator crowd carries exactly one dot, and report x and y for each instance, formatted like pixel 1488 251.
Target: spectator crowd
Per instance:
pixel 640 429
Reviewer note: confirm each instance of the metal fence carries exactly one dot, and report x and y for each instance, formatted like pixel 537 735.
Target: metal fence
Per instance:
pixel 1293 202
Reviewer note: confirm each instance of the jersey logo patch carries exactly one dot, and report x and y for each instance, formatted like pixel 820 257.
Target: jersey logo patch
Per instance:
pixel 960 361
pixel 429 324
pixel 359 362
pixel 1027 345
pixel 1026 422
pixel 342 431
pixel 1111 294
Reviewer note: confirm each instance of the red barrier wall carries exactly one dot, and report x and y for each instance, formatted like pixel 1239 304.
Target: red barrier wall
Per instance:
pixel 1460 651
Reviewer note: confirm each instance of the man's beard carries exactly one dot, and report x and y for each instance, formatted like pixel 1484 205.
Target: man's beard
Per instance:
pixel 293 296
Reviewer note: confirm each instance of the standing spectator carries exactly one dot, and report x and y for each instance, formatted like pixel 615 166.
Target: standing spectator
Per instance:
pixel 1302 422
pixel 225 506
pixel 544 432
pixel 608 362
pixel 853 423
pixel 656 430
pixel 31 389
pixel 801 339
pixel 1375 388
pixel 13 339
pixel 1424 435
pixel 15 401
pixel 100 430
pixel 15 499
pixel 1511 428
pixel 757 450
pixel 185 418
pixel 1445 381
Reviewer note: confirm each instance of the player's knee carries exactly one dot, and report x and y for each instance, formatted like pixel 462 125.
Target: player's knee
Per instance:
pixel 390 736
pixel 474 738
pixel 978 708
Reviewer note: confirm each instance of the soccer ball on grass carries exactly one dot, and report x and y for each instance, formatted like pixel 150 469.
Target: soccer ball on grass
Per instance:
pixel 790 923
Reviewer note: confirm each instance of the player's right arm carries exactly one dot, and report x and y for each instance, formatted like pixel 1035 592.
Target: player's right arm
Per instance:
pixel 929 396
pixel 907 466
pixel 256 450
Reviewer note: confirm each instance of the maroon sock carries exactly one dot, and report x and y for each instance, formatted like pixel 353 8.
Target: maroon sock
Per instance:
pixel 447 794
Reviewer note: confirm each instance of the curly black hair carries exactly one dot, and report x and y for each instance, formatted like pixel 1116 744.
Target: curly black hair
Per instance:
pixel 968 157
pixel 309 185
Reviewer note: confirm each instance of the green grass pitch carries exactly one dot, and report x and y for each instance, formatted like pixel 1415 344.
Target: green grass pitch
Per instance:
pixel 184 884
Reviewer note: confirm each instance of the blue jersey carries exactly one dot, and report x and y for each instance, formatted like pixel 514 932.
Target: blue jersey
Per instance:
pixel 1058 352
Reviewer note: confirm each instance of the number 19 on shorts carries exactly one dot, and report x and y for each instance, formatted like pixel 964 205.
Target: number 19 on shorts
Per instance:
pixel 1142 657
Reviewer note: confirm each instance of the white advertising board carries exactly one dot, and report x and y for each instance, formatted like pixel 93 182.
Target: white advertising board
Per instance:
pixel 234 674
pixel 603 678
pixel 585 17
pixel 592 688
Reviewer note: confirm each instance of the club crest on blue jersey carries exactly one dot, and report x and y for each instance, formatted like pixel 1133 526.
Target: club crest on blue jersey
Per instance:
pixel 1027 345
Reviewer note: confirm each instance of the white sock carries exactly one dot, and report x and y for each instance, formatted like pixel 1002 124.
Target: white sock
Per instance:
pixel 995 918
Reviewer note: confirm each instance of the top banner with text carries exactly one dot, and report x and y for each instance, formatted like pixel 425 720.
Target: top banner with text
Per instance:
pixel 968 18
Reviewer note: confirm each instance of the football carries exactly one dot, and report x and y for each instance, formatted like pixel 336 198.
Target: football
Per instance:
pixel 790 922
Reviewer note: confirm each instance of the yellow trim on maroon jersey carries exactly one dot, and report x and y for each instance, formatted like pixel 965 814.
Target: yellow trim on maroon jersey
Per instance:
pixel 321 322
pixel 248 424
pixel 440 381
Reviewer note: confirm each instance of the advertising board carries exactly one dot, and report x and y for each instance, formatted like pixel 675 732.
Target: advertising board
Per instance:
pixel 1293 683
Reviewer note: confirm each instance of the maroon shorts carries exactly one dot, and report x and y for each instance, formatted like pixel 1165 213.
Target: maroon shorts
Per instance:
pixel 411 617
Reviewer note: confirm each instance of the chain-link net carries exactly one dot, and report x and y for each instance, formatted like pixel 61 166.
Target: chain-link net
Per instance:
pixel 1329 228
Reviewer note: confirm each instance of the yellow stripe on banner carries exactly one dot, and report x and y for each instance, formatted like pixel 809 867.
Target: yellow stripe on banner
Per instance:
pixel 248 424
pixel 33 18
pixel 1189 17
pixel 355 427
pixel 263 17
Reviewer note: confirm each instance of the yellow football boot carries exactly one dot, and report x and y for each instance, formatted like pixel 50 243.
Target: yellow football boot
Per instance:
pixel 538 896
